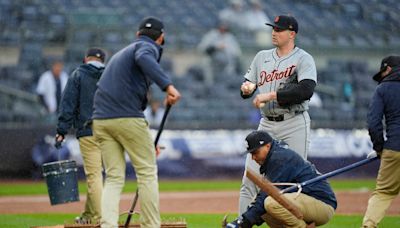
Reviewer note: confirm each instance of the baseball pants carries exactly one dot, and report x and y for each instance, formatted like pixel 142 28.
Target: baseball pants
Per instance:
pixel 92 165
pixel 133 136
pixel 313 210
pixel 295 132
pixel 387 188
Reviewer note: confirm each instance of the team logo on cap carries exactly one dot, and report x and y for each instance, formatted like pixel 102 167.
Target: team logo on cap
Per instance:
pixel 276 19
pixel 148 25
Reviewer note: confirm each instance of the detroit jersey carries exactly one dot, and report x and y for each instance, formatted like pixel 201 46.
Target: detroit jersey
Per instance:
pixel 270 72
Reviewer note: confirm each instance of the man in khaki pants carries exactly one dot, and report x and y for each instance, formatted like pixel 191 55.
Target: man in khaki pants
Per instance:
pixel 279 164
pixel 119 124
pixel 385 105
pixel 75 109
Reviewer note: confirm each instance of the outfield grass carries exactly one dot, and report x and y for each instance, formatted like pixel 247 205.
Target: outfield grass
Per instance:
pixel 193 220
pixel 40 188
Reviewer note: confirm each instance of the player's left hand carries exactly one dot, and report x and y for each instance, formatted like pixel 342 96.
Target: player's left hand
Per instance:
pixel 261 99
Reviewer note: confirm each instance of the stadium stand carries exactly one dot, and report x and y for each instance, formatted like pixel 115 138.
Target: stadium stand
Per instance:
pixel 327 26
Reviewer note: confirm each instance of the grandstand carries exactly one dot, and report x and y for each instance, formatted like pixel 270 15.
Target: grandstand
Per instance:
pixel 346 37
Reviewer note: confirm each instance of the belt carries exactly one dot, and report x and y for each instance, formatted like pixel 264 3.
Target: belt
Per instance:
pixel 283 116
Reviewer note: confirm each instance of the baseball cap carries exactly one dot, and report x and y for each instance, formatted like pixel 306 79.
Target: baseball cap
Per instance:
pixel 285 22
pixel 152 23
pixel 257 139
pixel 392 61
pixel 96 52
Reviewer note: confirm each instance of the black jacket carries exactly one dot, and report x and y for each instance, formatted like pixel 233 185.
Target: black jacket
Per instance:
pixel 76 104
pixel 123 88
pixel 283 165
pixel 385 104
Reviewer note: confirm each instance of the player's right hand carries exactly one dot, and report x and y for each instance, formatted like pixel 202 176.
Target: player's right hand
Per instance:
pixel 173 95
pixel 247 87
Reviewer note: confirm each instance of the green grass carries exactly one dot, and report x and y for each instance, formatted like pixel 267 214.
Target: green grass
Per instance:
pixel 40 188
pixel 193 220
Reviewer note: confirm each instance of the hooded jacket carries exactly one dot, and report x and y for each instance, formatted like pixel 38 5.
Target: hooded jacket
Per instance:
pixel 122 90
pixel 385 104
pixel 283 165
pixel 76 106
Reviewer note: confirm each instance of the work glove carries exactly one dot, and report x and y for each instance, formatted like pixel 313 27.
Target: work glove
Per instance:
pixel 239 223
pixel 233 224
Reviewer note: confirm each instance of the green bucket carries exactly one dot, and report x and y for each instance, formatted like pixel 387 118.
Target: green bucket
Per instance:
pixel 62 181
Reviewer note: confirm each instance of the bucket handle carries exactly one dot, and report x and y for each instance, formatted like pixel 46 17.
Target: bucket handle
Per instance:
pixel 57 172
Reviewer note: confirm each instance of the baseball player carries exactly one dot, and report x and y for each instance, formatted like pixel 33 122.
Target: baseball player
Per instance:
pixel 285 77
pixel 316 202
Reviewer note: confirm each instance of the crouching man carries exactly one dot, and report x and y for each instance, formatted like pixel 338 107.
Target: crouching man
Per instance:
pixel 317 201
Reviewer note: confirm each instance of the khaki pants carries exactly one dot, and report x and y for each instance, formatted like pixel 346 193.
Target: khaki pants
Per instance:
pixel 92 165
pixel 387 188
pixel 132 135
pixel 313 211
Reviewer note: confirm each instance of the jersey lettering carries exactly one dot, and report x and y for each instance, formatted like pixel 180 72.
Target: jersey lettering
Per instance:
pixel 275 75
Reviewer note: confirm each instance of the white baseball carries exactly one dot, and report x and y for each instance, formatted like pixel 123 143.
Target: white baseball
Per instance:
pixel 251 86
pixel 261 105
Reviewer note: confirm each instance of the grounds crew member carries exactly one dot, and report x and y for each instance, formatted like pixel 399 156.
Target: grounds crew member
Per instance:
pixel 279 164
pixel 385 105
pixel 75 109
pixel 119 123
pixel 285 77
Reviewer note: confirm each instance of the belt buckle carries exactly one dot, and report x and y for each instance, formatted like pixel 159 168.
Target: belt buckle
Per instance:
pixel 280 118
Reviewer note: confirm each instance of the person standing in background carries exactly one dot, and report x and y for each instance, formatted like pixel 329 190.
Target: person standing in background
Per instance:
pixel 222 51
pixel 255 17
pixel 76 109
pixel 385 106
pixel 285 77
pixel 234 14
pixel 51 85
pixel 119 124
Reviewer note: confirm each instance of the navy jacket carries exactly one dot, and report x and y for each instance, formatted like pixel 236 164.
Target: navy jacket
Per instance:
pixel 76 104
pixel 386 104
pixel 285 165
pixel 122 90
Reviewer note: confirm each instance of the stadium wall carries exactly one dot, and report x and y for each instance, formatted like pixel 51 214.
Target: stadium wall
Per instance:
pixel 195 153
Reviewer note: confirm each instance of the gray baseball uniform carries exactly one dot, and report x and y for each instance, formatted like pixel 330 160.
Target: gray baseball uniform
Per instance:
pixel 290 124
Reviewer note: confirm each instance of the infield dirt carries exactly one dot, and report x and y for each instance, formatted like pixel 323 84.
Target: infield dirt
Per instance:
pixel 179 202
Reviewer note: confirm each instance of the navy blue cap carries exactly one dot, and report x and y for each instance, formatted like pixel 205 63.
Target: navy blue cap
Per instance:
pixel 392 61
pixel 285 22
pixel 152 23
pixel 257 139
pixel 96 52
